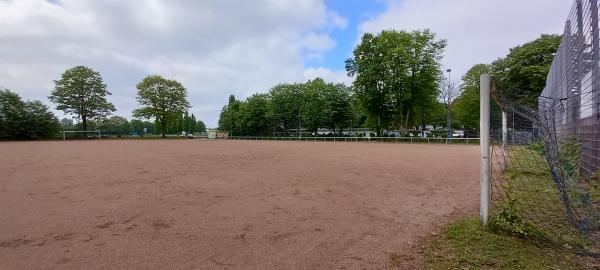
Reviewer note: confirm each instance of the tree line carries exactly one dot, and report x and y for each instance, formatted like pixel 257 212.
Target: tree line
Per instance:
pixel 288 108
pixel 82 93
pixel 519 77
pixel 398 86
pixel 25 119
pixel 119 126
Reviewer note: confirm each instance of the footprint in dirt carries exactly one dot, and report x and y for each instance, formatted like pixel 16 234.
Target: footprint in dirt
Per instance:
pixel 65 236
pixel 15 243
pixel 161 224
pixel 63 260
pixel 105 225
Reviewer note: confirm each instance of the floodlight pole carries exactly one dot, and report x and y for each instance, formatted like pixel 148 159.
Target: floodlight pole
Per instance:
pixel 484 126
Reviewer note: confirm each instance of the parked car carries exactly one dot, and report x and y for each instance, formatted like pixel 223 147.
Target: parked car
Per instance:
pixel 458 134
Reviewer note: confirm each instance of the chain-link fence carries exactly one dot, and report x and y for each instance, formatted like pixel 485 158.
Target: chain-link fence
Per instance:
pixel 545 161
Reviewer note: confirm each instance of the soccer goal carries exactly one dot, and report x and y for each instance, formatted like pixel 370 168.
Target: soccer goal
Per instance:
pixel 85 134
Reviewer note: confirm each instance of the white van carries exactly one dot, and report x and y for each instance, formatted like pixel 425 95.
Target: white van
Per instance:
pixel 458 134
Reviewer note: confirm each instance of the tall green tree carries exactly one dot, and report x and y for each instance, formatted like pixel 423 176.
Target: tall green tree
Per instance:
pixel 25 119
pixel 116 125
pixel 286 102
pixel 466 107
pixel 396 75
pixel 254 115
pixel 314 109
pixel 200 126
pixel 325 105
pixel 193 127
pixel 160 99
pixel 12 116
pixel 137 126
pixel 521 75
pixel 229 117
pixel 338 99
pixel 39 121
pixel 81 92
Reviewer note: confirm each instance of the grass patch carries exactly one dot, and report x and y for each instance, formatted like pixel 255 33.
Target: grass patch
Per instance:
pixel 468 245
pixel 532 205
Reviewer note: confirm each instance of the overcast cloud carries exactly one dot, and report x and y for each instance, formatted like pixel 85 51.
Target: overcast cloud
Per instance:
pixel 216 48
pixel 478 31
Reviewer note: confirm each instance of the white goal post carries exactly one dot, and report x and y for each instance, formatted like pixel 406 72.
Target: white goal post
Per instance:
pixel 484 142
pixel 64 133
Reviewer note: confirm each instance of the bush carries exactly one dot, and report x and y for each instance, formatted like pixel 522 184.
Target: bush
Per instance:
pixel 21 120
pixel 508 219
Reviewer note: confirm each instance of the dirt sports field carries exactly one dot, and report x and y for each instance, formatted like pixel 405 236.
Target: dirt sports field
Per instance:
pixel 200 204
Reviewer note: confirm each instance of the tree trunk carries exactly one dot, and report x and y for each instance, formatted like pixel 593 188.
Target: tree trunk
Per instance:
pixel 378 126
pixel 84 123
pixel 406 120
pixel 422 125
pixel 449 121
pixel 163 126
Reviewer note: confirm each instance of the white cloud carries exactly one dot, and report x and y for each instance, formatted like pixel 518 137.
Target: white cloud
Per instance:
pixel 214 48
pixel 337 20
pixel 477 31
pixel 328 75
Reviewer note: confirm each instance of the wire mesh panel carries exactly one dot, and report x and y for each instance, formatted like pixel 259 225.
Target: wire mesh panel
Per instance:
pixel 545 161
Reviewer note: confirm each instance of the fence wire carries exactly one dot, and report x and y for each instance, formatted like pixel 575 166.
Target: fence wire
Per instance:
pixel 546 160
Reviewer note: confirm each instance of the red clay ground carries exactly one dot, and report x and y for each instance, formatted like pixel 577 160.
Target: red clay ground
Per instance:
pixel 199 204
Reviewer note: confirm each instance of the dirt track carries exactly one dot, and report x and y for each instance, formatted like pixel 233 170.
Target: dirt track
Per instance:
pixel 199 204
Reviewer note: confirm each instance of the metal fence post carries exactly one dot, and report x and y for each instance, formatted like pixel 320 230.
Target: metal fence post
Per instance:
pixel 504 139
pixel 484 126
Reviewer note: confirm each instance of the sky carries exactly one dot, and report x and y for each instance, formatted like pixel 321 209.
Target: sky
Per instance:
pixel 220 47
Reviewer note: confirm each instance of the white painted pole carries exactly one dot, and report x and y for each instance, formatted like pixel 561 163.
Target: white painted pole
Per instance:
pixel 505 140
pixel 484 126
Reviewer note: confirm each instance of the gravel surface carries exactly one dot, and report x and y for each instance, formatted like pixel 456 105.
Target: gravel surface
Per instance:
pixel 201 204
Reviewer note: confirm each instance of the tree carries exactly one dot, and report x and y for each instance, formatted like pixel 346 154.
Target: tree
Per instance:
pixel 137 126
pixel 116 125
pixel 191 122
pixel 521 75
pixel 11 115
pixel 200 126
pixel 311 105
pixel 25 120
pixel 397 73
pixel 160 98
pixel 286 101
pixel 314 108
pixel 448 94
pixel 228 119
pixel 254 115
pixel 466 107
pixel 325 105
pixel 39 121
pixel 81 91
pixel 67 124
